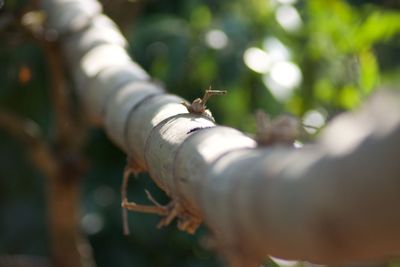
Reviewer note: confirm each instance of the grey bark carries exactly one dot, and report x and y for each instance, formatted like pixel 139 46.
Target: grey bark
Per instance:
pixel 333 201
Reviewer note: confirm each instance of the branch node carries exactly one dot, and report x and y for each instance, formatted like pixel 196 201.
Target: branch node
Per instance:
pixel 186 221
pixel 198 106
pixel 284 129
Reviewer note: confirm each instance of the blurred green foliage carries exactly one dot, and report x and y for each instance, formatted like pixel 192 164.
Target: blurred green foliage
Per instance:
pixel 343 49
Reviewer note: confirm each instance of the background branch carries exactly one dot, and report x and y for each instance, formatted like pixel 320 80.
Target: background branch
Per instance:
pixel 23 261
pixel 250 198
pixel 64 187
pixel 60 159
pixel 28 133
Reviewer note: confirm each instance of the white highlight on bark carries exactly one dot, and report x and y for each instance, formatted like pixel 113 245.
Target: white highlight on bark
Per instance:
pixel 121 104
pixel 102 30
pixel 146 117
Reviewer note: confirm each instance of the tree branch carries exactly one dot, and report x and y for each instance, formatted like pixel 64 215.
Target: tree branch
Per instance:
pixel 59 159
pixel 28 133
pixel 23 261
pixel 335 201
pixel 64 187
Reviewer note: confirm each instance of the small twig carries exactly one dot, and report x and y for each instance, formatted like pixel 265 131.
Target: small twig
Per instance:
pixel 186 221
pixel 174 209
pixel 198 106
pixel 209 93
pixel 150 197
pixel 169 211
pixel 132 206
pixel 125 180
pixel 131 168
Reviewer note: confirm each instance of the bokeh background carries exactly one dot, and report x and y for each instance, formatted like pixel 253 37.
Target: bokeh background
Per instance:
pixel 313 59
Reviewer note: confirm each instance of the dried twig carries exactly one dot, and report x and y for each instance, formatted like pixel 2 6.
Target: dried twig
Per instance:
pixel 131 168
pixel 186 221
pixel 198 106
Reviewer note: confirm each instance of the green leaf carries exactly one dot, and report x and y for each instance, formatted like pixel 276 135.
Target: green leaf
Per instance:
pixel 369 71
pixel 349 97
